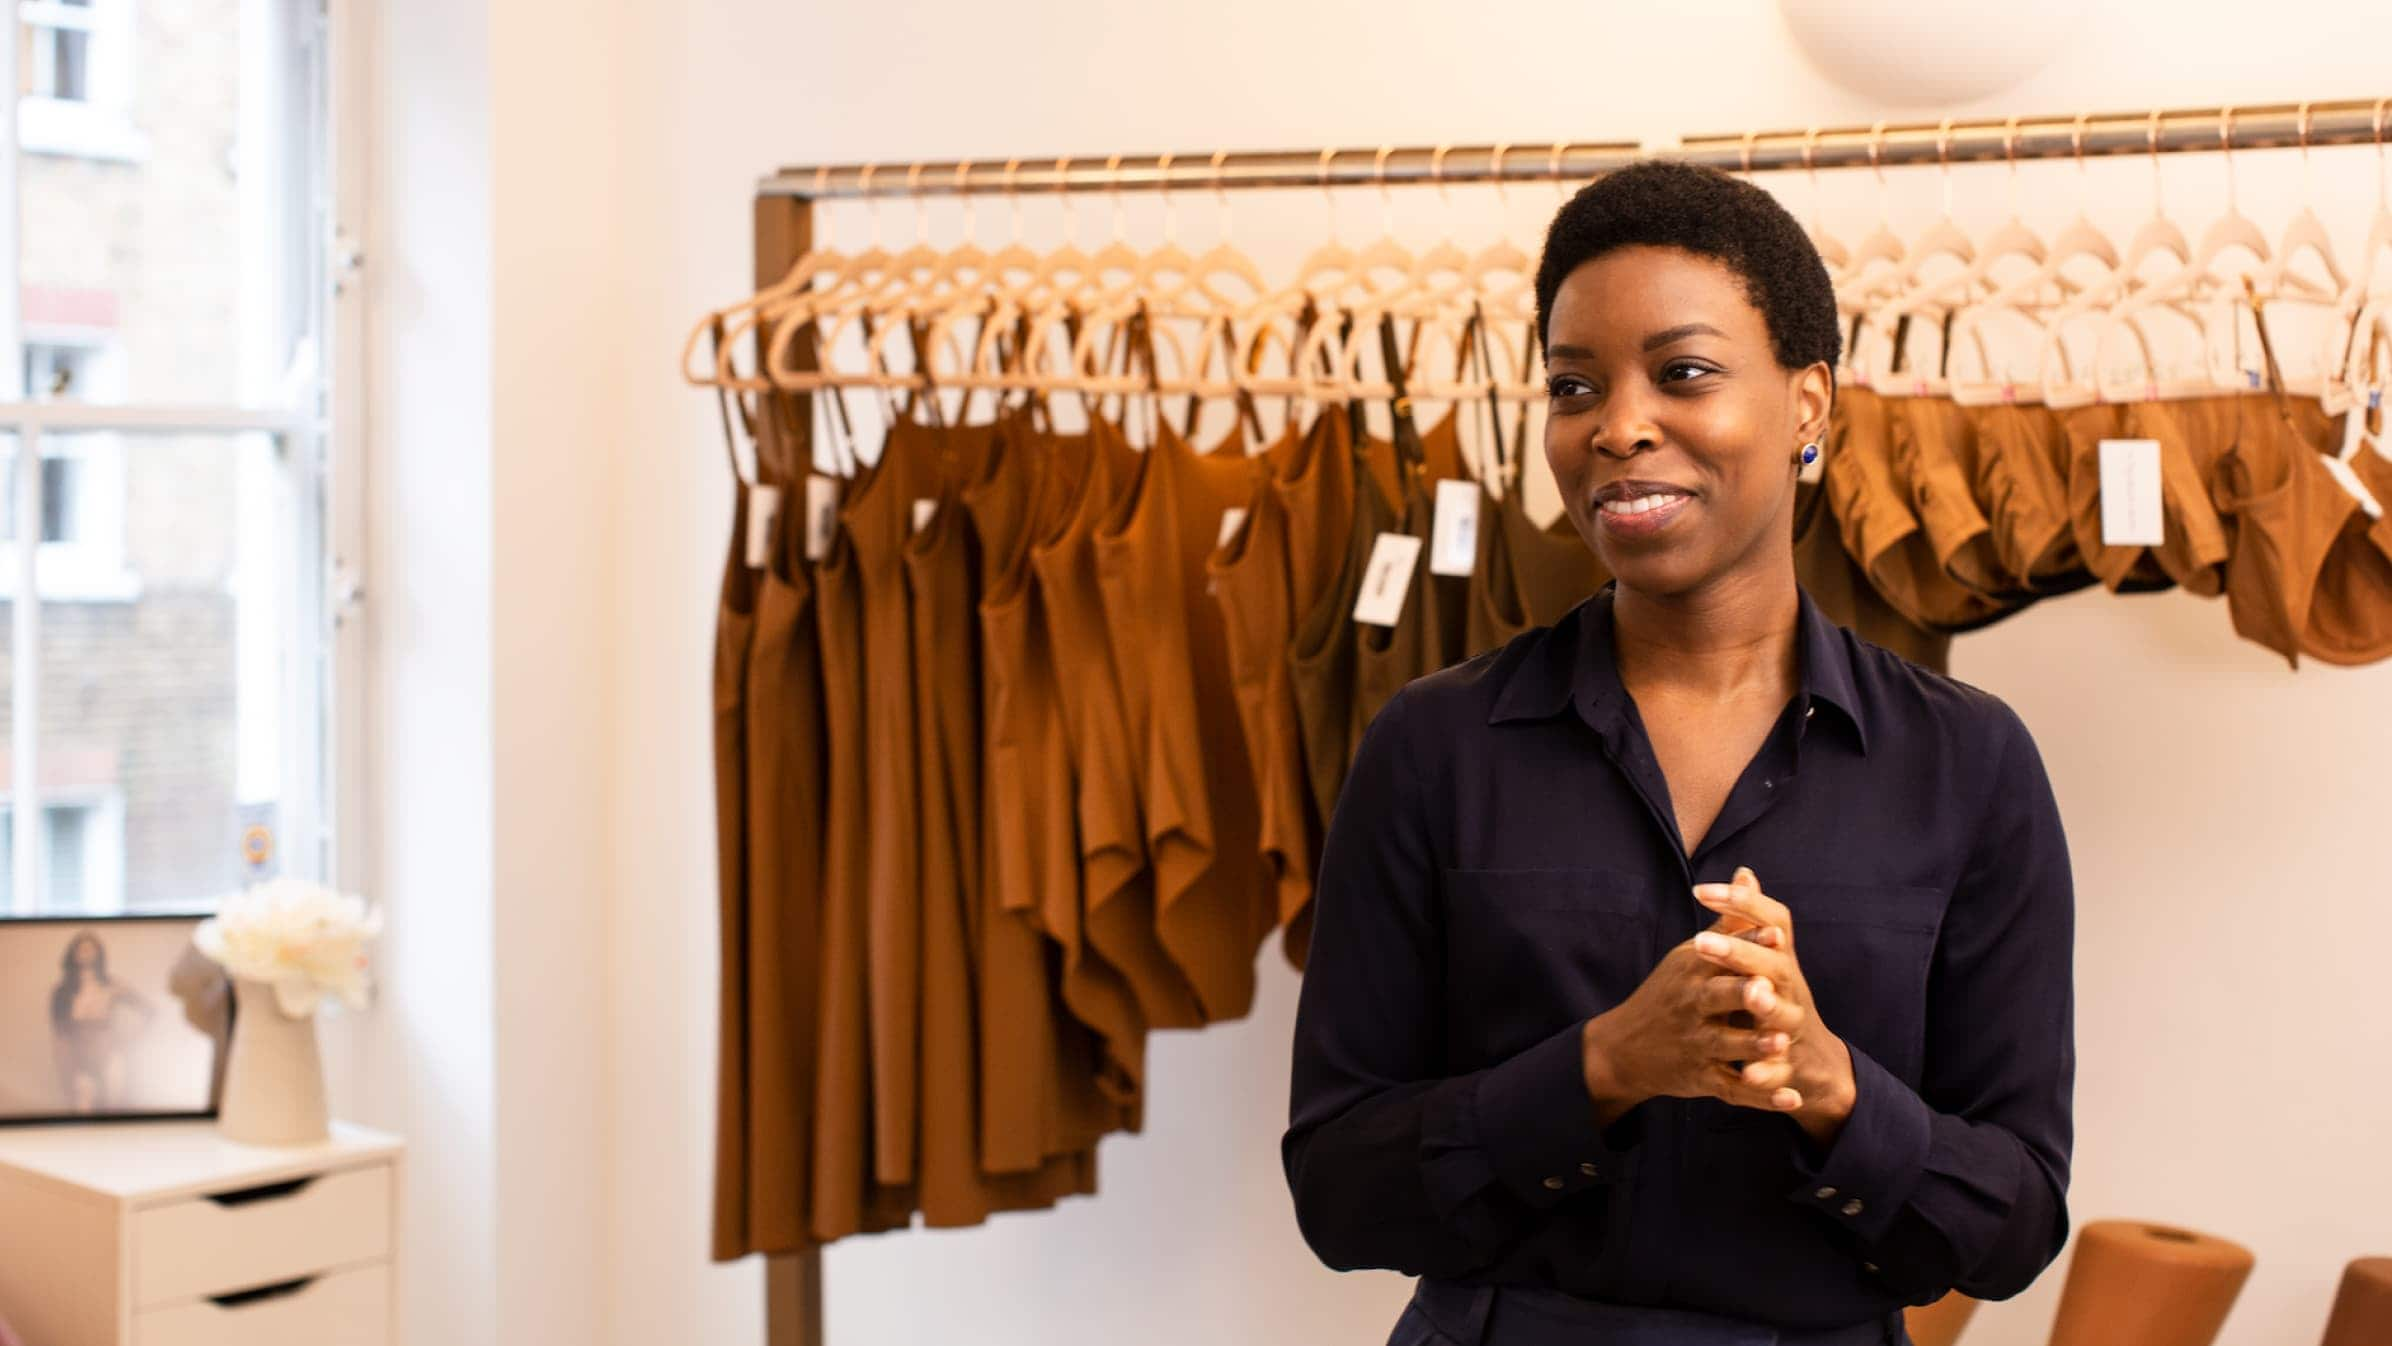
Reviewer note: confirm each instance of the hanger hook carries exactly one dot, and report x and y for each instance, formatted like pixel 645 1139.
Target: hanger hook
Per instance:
pixel 1328 198
pixel 1013 196
pixel 1877 166
pixel 1943 162
pixel 913 188
pixel 2380 104
pixel 2308 184
pixel 2151 138
pixel 1437 174
pixel 1749 137
pixel 1378 169
pixel 971 215
pixel 871 201
pixel 2226 149
pixel 2010 155
pixel 1113 191
pixel 1221 191
pixel 1071 207
pixel 1503 191
pixel 1553 169
pixel 1162 169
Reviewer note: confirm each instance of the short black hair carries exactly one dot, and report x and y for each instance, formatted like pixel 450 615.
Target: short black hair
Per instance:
pixel 1661 203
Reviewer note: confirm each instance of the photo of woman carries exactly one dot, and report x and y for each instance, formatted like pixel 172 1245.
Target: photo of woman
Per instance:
pixel 93 1023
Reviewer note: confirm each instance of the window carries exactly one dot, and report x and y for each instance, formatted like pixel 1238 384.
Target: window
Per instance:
pixel 165 456
pixel 82 854
pixel 75 63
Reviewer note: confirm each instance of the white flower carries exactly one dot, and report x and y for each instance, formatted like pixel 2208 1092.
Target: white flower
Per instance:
pixel 302 938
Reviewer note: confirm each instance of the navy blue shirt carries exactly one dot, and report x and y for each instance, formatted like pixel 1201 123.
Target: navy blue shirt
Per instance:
pixel 1504 864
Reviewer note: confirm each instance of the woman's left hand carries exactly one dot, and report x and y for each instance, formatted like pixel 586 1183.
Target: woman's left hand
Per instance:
pixel 1757 941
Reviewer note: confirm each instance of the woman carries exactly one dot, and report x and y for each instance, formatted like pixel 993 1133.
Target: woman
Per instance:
pixel 1689 971
pixel 91 1019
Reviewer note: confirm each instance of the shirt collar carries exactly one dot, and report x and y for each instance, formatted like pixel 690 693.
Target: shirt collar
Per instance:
pixel 1573 660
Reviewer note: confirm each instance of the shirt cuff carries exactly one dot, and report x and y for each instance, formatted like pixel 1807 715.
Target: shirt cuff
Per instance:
pixel 1538 1125
pixel 1876 1160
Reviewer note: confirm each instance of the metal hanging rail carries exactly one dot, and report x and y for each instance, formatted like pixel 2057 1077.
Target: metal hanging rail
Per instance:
pixel 2166 131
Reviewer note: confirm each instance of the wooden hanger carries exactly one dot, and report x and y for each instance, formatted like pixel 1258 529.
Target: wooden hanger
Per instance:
pixel 1876 257
pixel 2306 234
pixel 741 317
pixel 1907 291
pixel 1440 274
pixel 2158 236
pixel 1501 278
pixel 2198 282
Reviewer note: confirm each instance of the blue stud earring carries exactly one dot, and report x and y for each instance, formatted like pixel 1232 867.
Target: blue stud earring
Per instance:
pixel 1810 454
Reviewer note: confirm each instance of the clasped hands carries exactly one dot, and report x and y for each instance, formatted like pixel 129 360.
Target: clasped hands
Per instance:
pixel 1725 1015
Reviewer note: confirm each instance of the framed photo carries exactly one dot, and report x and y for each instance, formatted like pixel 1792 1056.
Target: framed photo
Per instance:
pixel 109 1018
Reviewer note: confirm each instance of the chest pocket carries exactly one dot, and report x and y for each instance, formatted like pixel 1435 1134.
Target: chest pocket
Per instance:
pixel 1530 950
pixel 1865 950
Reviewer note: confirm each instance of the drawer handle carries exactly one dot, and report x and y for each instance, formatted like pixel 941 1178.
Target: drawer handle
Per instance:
pixel 267 1192
pixel 241 1298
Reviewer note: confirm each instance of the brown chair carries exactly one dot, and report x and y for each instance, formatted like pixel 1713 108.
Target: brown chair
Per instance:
pixel 1939 1323
pixel 2363 1309
pixel 2137 1284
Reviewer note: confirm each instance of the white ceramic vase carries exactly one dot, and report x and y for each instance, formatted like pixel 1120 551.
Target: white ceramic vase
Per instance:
pixel 274 1080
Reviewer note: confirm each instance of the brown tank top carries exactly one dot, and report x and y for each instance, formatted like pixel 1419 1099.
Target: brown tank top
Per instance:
pixel 1044 1073
pixel 846 1200
pixel 879 517
pixel 1836 583
pixel 1433 626
pixel 1524 576
pixel 1117 882
pixel 1874 512
pixel 1034 853
pixel 784 832
pixel 1321 660
pixel 2022 483
pixel 734 638
pixel 1213 902
pixel 939 573
pixel 2350 613
pixel 1253 576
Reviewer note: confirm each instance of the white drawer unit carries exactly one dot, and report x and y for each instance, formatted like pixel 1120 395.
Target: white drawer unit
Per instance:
pixel 166 1234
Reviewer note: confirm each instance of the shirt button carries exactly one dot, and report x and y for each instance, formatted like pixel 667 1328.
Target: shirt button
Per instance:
pixel 1809 711
pixel 1589 1170
pixel 1553 1184
pixel 1852 1207
pixel 1825 1193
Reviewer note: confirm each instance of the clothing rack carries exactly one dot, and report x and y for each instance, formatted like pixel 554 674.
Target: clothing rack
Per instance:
pixel 784 231
pixel 1883 145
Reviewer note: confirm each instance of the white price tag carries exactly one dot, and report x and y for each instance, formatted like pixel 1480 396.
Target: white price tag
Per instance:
pixel 764 502
pixel 1387 580
pixel 1456 529
pixel 822 514
pixel 2130 494
pixel 1232 519
pixel 925 509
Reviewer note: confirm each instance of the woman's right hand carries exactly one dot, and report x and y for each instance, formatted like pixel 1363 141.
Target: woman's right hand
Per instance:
pixel 1681 1033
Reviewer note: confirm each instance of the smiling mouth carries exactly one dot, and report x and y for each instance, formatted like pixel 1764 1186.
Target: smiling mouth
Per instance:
pixel 1628 506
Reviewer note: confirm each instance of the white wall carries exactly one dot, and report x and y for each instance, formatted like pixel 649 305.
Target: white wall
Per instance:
pixel 2221 808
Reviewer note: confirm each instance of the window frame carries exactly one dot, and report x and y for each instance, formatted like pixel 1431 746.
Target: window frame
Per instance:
pixel 319 436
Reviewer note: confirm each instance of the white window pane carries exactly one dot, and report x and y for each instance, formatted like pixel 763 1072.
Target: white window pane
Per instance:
pixel 167 669
pixel 166 200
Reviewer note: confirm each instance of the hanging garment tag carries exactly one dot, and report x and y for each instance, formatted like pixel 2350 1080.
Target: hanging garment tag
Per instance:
pixel 1388 579
pixel 1232 519
pixel 2130 505
pixel 925 509
pixel 764 502
pixel 822 514
pixel 1456 529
